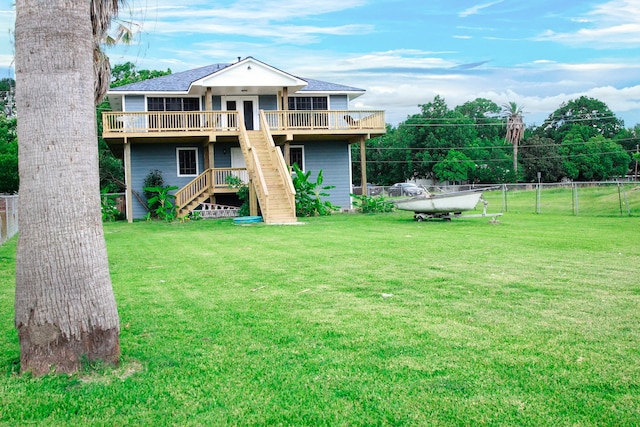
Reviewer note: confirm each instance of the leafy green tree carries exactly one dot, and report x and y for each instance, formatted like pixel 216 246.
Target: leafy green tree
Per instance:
pixel 592 113
pixel 455 167
pixel 9 179
pixel 486 116
pixel 595 158
pixel 541 154
pixel 127 73
pixel 434 132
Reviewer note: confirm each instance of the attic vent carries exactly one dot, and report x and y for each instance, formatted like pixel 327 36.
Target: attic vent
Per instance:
pixel 238 59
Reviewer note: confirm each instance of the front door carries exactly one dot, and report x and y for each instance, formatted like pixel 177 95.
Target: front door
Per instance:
pixel 248 115
pixel 249 107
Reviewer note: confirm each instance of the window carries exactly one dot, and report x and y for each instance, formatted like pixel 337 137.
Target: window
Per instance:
pixel 173 104
pixel 296 155
pixel 187 161
pixel 308 103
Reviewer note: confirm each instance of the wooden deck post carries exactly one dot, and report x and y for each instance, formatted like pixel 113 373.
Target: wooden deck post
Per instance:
pixel 208 101
pixel 363 166
pixel 128 195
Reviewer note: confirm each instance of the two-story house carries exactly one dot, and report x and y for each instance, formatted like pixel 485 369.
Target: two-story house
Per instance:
pixel 246 119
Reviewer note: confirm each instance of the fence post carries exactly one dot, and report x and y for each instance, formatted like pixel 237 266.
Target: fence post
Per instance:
pixel 504 197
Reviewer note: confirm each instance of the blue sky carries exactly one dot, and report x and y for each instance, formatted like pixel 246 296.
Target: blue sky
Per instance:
pixel 538 53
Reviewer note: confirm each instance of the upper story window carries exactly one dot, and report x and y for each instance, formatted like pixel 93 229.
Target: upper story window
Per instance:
pixel 173 104
pixel 308 103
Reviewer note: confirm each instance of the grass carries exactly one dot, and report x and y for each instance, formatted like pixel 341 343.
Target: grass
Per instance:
pixel 358 320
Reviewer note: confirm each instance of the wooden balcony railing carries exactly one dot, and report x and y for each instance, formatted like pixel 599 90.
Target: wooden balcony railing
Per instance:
pixel 169 121
pixel 325 120
pixel 115 123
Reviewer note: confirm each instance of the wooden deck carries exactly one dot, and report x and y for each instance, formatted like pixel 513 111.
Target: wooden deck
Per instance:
pixel 191 123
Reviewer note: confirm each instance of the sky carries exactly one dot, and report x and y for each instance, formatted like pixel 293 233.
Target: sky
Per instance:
pixel 537 53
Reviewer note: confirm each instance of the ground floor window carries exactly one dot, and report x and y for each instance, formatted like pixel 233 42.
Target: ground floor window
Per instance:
pixel 296 155
pixel 187 159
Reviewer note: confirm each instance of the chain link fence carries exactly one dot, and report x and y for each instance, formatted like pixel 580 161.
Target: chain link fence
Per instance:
pixel 606 198
pixel 8 217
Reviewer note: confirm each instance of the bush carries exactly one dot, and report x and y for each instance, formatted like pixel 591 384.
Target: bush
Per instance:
pixel 164 202
pixel 372 204
pixel 309 194
pixel 153 179
pixel 243 193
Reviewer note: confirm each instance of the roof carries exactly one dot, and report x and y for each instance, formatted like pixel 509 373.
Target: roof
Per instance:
pixel 320 86
pixel 172 82
pixel 181 82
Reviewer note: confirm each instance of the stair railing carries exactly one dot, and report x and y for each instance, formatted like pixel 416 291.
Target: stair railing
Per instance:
pixel 199 185
pixel 255 171
pixel 278 159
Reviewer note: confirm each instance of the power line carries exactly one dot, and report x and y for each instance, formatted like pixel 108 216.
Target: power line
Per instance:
pixel 494 147
pixel 483 161
pixel 549 121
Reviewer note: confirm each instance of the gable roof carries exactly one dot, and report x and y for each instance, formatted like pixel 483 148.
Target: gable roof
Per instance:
pixel 182 81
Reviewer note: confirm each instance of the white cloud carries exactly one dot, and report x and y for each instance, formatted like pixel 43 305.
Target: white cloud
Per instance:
pixel 477 8
pixel 613 25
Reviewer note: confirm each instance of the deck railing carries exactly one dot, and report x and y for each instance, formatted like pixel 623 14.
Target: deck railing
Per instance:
pixel 278 120
pixel 162 121
pixel 325 120
pixel 278 161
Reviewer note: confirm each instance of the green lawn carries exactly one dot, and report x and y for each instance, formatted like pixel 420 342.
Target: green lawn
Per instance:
pixel 358 320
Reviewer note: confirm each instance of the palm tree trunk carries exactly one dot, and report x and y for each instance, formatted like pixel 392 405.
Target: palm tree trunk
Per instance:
pixel 65 309
pixel 515 160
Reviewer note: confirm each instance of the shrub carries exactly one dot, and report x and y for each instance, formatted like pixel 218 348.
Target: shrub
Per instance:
pixel 243 193
pixel 164 202
pixel 372 204
pixel 309 194
pixel 152 180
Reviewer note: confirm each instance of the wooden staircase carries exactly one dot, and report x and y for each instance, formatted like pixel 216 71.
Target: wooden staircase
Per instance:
pixel 269 175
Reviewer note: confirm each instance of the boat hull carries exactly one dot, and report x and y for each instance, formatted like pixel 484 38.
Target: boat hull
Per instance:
pixel 440 203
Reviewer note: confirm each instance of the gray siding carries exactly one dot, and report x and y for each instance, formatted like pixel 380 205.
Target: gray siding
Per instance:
pixel 146 157
pixel 338 102
pixel 134 103
pixel 268 102
pixel 333 159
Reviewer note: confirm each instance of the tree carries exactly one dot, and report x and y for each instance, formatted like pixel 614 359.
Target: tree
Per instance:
pixel 592 158
pixel 65 310
pixel 111 168
pixel 515 130
pixel 8 156
pixel 591 113
pixel 542 155
pixel 455 167
pixel 124 74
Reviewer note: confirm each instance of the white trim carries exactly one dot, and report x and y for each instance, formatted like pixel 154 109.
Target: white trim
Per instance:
pixel 178 149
